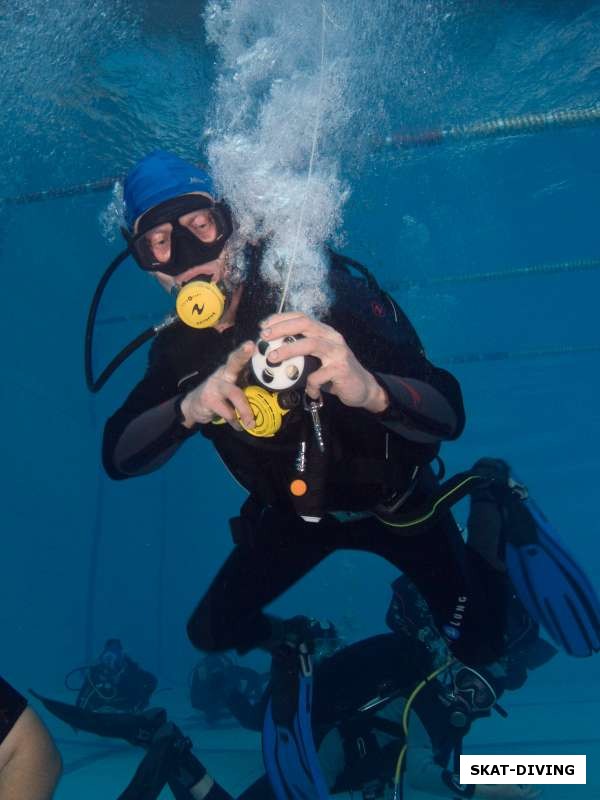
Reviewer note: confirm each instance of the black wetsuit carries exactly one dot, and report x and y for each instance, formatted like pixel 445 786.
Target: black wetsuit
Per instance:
pixel 127 688
pixel 369 457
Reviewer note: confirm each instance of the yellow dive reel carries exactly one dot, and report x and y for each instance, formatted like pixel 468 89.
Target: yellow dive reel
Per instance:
pixel 268 414
pixel 268 409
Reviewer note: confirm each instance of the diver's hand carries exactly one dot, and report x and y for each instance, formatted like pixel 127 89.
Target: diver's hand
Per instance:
pixel 340 372
pixel 219 395
pixel 507 791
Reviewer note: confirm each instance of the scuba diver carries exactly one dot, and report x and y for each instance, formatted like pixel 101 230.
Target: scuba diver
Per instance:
pixel 339 461
pixel 382 713
pixel 114 682
pixel 215 678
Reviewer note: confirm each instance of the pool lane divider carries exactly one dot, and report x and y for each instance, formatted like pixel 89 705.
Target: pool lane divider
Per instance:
pixel 534 271
pixel 495 128
pixel 502 126
pixel 100 185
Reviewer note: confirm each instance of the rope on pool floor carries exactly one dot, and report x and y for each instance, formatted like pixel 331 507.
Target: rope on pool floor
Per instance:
pixel 518 355
pixel 502 126
pixel 534 271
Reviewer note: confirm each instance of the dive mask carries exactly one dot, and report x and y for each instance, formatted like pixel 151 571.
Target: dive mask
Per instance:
pixel 180 233
pixel 474 690
pixel 472 696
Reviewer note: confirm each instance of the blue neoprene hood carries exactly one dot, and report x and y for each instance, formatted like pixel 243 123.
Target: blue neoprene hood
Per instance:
pixel 158 177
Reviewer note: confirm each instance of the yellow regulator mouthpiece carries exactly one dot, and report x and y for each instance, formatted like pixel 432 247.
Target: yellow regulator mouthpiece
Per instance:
pixel 200 304
pixel 268 414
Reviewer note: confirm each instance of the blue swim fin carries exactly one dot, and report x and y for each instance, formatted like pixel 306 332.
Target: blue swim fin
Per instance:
pixel 548 581
pixel 289 751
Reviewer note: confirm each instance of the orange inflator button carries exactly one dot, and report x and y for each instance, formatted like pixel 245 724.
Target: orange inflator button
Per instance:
pixel 298 487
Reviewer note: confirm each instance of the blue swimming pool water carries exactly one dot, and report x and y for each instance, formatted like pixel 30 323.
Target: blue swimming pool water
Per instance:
pixel 86 91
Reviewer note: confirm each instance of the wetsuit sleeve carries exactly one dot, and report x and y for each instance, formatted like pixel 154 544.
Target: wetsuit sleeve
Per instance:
pixel 426 402
pixel 422 771
pixel 12 705
pixel 424 409
pixel 147 430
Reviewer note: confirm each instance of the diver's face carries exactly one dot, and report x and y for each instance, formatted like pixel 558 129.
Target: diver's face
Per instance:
pixel 200 223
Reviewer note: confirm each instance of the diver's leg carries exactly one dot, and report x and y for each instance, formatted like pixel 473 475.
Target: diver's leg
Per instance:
pixel 189 780
pixel 486 521
pixel 279 551
pixel 465 588
pixel 466 596
pixel 170 759
pixel 485 552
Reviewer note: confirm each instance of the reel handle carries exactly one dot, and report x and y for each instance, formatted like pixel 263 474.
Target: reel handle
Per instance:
pixel 284 375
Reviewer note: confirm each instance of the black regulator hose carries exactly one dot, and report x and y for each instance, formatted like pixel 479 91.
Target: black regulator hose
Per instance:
pixel 95 384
